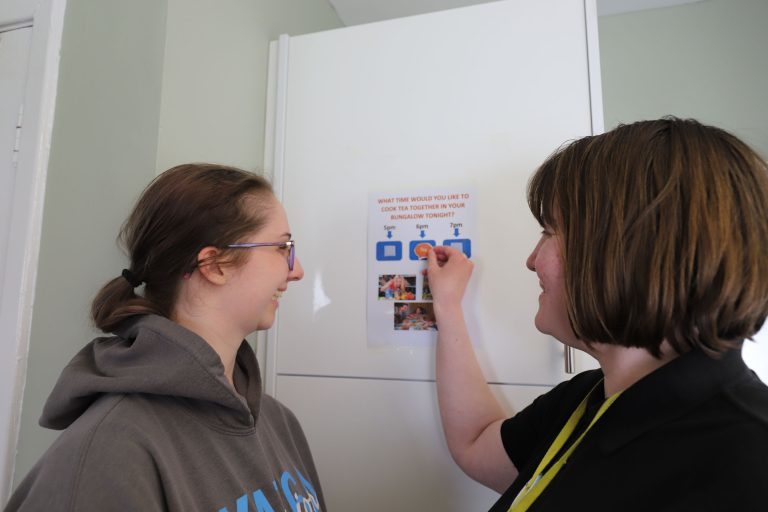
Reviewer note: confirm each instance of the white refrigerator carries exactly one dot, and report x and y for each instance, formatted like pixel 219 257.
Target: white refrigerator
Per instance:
pixel 470 99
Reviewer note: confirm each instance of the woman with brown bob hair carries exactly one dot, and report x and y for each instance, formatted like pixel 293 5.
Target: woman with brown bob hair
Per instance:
pixel 168 413
pixel 654 260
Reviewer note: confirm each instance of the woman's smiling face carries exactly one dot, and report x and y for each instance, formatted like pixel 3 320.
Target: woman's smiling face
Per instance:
pixel 264 277
pixel 547 261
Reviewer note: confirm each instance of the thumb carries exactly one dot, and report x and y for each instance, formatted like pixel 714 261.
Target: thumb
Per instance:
pixel 432 260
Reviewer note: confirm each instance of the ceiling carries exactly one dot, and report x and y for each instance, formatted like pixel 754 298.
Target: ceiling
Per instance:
pixel 356 12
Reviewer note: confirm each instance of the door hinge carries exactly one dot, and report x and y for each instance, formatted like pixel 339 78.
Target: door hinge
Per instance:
pixel 17 137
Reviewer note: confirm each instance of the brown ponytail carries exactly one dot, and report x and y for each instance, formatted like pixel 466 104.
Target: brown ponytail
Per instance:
pixel 184 209
pixel 116 301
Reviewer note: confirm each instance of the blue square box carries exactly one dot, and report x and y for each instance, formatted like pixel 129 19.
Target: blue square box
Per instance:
pixel 462 244
pixel 389 251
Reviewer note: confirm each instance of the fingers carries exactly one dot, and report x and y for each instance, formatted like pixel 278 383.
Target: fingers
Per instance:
pixel 447 260
pixel 432 258
pixel 436 257
pixel 449 271
pixel 442 254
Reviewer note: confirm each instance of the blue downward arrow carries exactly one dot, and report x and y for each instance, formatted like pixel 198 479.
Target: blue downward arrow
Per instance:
pixel 389 234
pixel 422 235
pixel 456 232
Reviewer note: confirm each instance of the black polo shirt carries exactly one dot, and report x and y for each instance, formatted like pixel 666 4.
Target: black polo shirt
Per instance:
pixel 691 436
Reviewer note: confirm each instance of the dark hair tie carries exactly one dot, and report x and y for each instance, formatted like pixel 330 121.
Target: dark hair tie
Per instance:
pixel 131 278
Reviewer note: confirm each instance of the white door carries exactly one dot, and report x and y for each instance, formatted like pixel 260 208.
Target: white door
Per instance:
pixel 474 97
pixel 30 43
pixel 15 48
pixel 14 57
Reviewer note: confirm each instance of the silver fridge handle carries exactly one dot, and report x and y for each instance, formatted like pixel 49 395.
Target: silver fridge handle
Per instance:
pixel 570 360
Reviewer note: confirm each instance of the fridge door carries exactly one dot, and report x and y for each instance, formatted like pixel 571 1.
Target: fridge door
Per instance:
pixel 471 98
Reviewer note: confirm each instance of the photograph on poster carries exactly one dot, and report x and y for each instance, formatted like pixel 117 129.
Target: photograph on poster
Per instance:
pixel 426 293
pixel 414 316
pixel 397 287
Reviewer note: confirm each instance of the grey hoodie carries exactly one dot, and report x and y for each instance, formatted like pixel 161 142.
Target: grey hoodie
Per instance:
pixel 152 424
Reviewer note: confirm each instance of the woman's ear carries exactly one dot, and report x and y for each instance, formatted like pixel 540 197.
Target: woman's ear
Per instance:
pixel 209 267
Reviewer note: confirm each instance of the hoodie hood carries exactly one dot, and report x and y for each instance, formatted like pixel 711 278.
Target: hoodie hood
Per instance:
pixel 152 355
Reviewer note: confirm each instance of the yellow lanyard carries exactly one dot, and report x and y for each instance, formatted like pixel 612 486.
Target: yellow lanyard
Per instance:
pixel 541 479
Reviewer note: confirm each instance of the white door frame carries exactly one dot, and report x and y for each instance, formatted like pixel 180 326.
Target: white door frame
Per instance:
pixel 47 20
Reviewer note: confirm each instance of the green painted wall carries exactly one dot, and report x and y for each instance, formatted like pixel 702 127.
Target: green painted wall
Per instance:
pixel 144 84
pixel 103 150
pixel 214 80
pixel 705 60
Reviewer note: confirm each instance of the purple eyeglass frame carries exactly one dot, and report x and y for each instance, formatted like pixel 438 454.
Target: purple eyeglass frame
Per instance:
pixel 290 244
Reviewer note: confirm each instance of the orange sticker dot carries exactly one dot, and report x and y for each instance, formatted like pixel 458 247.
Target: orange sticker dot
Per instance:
pixel 422 249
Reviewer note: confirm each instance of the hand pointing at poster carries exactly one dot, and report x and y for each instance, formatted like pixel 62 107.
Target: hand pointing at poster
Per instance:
pixel 449 271
pixel 470 414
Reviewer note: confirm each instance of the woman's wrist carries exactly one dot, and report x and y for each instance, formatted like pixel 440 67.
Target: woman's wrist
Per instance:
pixel 450 307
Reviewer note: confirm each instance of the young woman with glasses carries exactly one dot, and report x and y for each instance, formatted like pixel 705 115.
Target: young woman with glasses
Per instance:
pixel 168 412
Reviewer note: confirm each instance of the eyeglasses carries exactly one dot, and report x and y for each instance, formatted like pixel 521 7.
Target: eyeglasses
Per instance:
pixel 290 244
